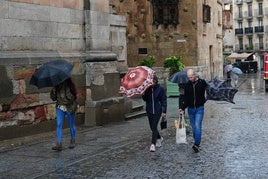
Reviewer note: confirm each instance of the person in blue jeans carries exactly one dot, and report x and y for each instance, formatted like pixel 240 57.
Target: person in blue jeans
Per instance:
pixel 156 107
pixel 65 96
pixel 194 100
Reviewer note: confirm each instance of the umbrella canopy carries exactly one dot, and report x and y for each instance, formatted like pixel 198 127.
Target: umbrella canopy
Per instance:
pixel 179 77
pixel 237 70
pixel 228 68
pixel 136 80
pixel 220 90
pixel 51 73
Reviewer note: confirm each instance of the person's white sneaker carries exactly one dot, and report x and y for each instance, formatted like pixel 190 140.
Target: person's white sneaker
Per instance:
pixel 152 148
pixel 159 142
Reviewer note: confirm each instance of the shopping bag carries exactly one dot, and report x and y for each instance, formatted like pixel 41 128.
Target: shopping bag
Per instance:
pixel 163 123
pixel 180 130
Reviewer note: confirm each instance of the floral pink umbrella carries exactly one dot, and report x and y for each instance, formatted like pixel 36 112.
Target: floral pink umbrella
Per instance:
pixel 136 81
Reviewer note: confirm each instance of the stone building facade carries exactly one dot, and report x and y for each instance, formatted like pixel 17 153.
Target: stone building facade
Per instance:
pixel 83 32
pixel 191 29
pixel 227 20
pixel 250 20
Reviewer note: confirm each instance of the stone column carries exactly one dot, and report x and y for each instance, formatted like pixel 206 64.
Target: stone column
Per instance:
pixel 103 102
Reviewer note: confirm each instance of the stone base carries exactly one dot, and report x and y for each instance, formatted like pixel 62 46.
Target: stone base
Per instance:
pixel 104 111
pixel 47 126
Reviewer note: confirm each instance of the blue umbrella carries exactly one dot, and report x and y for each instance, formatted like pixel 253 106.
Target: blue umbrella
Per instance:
pixel 237 70
pixel 51 73
pixel 179 77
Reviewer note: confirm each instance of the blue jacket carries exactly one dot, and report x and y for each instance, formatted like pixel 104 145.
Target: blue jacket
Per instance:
pixel 156 100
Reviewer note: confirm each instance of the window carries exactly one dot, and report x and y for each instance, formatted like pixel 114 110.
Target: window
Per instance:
pixel 165 12
pixel 260 9
pixel 240 25
pixel 250 42
pixel 250 10
pixel 240 12
pixel 219 17
pixel 249 23
pixel 261 42
pixel 240 41
pixel 143 51
pixel 206 13
pixel 260 22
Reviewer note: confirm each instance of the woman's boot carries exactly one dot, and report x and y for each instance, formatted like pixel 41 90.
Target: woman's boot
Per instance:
pixel 58 146
pixel 72 144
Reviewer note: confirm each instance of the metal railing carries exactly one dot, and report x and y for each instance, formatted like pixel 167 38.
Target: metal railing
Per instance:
pixel 238 2
pixel 259 29
pixel 239 31
pixel 249 30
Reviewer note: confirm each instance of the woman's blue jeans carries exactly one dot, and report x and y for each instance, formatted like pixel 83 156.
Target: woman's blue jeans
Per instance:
pixel 196 117
pixel 60 119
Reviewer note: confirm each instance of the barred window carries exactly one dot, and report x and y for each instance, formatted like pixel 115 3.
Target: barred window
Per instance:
pixel 165 12
pixel 206 13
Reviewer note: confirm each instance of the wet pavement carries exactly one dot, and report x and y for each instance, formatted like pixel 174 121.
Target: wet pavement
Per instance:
pixel 234 145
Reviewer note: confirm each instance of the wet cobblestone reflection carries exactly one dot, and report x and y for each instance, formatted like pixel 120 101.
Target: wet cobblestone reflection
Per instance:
pixel 234 145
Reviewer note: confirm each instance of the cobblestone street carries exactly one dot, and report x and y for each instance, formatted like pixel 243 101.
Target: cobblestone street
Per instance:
pixel 234 145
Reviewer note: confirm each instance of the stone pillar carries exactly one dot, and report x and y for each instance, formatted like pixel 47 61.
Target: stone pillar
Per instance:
pixel 103 102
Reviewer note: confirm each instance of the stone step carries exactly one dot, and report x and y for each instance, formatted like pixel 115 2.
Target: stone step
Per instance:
pixel 135 114
pixel 137 107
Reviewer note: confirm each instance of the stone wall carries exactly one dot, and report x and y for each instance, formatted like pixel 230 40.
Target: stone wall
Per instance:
pixel 160 42
pixel 34 32
pixel 210 39
pixel 25 109
pixel 37 26
pixel 202 48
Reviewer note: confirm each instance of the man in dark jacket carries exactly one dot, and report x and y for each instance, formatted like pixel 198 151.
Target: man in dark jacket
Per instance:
pixel 156 106
pixel 194 100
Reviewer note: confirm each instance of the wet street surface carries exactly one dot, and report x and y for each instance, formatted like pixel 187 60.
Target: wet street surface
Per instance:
pixel 234 145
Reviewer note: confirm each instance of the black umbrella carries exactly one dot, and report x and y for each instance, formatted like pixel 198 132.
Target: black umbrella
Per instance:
pixel 179 77
pixel 220 90
pixel 51 73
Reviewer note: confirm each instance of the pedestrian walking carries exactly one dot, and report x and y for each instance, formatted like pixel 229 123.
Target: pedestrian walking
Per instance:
pixel 65 96
pixel 194 100
pixel 235 78
pixel 228 70
pixel 156 107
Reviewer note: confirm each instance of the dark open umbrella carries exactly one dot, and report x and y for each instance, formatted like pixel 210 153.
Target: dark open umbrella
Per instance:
pixel 179 77
pixel 220 90
pixel 51 73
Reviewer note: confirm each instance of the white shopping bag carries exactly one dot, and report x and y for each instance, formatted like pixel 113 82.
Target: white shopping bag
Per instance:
pixel 180 130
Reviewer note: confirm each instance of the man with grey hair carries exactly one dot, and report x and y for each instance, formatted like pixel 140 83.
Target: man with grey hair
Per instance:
pixel 194 100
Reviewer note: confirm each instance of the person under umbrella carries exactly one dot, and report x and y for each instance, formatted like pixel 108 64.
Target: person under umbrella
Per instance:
pixel 136 81
pixel 65 96
pixel 51 73
pixel 235 72
pixel 156 107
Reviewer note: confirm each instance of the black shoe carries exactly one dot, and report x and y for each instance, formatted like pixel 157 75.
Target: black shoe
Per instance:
pixel 196 148
pixel 58 147
pixel 72 144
